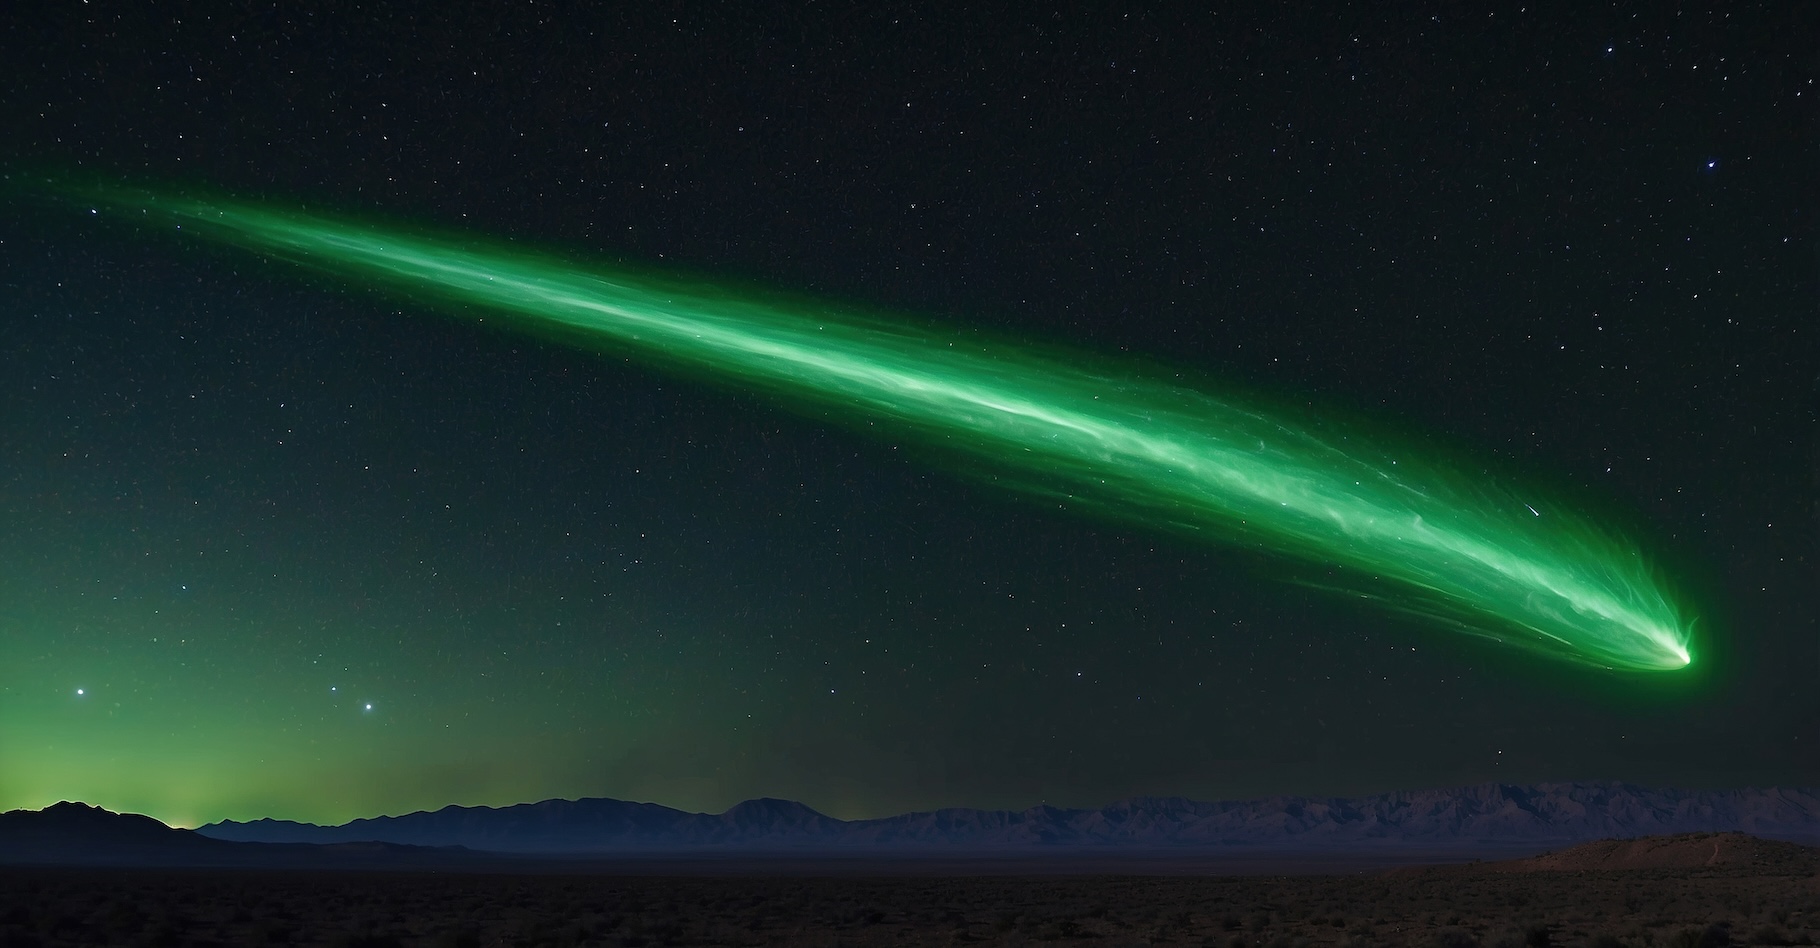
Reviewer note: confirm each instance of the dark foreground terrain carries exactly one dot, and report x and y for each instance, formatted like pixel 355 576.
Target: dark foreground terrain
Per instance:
pixel 1705 892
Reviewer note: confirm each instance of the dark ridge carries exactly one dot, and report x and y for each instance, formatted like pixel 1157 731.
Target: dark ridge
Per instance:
pixel 1728 851
pixel 76 834
pixel 1488 816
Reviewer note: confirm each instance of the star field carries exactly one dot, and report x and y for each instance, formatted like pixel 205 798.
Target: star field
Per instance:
pixel 280 546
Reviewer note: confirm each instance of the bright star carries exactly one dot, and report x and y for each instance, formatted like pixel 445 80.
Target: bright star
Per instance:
pixel 81 691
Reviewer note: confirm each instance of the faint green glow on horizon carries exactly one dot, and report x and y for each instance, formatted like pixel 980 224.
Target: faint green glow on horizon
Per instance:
pixel 1410 532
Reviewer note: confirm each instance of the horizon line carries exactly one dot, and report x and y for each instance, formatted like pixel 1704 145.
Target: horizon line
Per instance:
pixel 1041 804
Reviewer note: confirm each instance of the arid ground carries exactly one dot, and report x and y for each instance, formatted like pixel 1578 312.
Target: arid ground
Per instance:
pixel 1695 892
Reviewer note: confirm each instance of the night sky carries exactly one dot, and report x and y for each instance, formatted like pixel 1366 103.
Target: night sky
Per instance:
pixel 274 543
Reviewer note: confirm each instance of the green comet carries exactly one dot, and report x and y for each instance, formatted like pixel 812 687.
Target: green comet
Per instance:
pixel 1413 534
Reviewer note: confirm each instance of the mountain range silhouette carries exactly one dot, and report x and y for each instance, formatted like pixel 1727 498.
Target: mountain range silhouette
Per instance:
pixel 1490 813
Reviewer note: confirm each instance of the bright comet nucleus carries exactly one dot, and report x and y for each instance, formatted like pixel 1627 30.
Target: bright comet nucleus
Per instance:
pixel 1412 533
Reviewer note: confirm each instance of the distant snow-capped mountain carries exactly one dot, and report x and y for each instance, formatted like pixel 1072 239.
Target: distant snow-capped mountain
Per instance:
pixel 1486 813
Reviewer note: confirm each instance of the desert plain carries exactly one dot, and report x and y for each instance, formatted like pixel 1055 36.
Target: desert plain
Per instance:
pixel 1695 891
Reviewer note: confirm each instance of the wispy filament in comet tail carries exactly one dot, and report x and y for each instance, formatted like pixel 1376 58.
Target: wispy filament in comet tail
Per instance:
pixel 1417 535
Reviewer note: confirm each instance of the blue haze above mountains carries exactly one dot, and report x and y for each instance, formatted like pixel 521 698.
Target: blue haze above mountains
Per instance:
pixel 1468 816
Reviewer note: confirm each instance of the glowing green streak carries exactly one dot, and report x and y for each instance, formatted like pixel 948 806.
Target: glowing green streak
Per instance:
pixel 1426 539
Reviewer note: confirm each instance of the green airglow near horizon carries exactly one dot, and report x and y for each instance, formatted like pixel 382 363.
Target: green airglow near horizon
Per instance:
pixel 1408 531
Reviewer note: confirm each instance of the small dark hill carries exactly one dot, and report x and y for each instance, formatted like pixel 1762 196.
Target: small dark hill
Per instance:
pixel 68 821
pixel 76 834
pixel 768 818
pixel 1683 851
pixel 82 834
